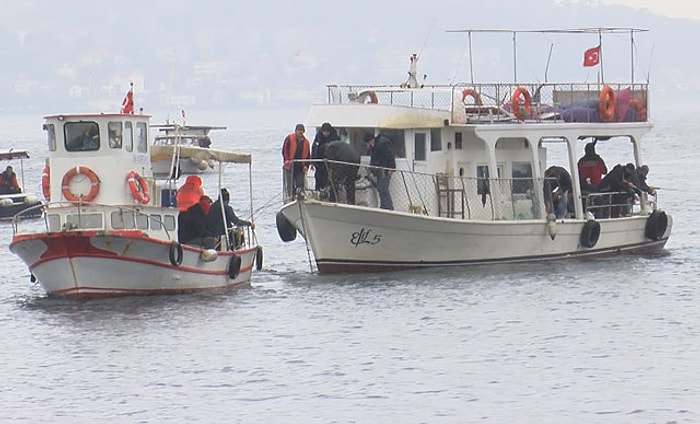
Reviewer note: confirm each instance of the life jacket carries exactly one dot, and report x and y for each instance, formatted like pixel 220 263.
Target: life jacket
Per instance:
pixel 289 148
pixel 189 193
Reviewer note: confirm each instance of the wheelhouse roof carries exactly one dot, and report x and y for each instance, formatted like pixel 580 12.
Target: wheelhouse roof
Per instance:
pixel 159 153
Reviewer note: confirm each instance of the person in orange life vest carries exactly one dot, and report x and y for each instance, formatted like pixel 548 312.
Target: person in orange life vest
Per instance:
pixel 189 193
pixel 591 168
pixel 8 181
pixel 192 225
pixel 295 147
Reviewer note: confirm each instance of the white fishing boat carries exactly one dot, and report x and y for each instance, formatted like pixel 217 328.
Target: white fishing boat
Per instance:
pixel 470 184
pixel 15 200
pixel 170 135
pixel 110 228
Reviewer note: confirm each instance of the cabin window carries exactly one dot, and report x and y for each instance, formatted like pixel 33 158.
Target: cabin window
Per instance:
pixel 419 146
pixel 128 137
pixel 435 140
pixel 122 219
pixel 169 222
pixel 522 177
pixel 51 136
pixel 155 221
pixel 141 221
pixel 141 137
pixel 115 135
pixel 458 140
pixel 54 221
pixel 81 136
pixel 85 220
pixel 482 179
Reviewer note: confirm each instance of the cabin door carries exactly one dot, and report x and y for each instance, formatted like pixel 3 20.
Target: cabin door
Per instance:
pixel 420 150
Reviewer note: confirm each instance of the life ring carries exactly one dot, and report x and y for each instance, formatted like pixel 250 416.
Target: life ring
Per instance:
pixel 519 113
pixel 259 258
pixel 656 225
pixel 46 183
pixel 590 233
pixel 175 254
pixel 94 184
pixel 138 187
pixel 606 104
pixel 285 230
pixel 470 92
pixel 372 97
pixel 234 266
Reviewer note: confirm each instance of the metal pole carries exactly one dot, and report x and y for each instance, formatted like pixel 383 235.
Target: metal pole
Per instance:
pixel 600 43
pixel 471 61
pixel 515 58
pixel 632 54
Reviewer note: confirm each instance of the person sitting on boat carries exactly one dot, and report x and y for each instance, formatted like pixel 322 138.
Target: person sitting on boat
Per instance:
pixel 342 174
pixel 217 224
pixel 189 193
pixel 204 142
pixel 619 182
pixel 295 150
pixel 591 168
pixel 192 225
pixel 641 183
pixel 381 153
pixel 8 181
pixel 323 137
pixel 557 185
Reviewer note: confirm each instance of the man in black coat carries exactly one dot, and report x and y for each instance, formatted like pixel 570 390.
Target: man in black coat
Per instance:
pixel 342 174
pixel 192 225
pixel 323 137
pixel 381 151
pixel 557 185
pixel 218 224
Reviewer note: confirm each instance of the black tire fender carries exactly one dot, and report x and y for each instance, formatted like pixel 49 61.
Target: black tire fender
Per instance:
pixel 656 225
pixel 175 254
pixel 286 231
pixel 259 258
pixel 234 266
pixel 590 233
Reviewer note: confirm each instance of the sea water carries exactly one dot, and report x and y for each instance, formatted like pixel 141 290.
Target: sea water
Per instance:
pixel 613 340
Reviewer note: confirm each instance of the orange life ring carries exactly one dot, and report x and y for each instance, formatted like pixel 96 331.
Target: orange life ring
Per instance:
pixel 94 184
pixel 606 104
pixel 373 97
pixel 473 94
pixel 138 186
pixel 519 113
pixel 46 183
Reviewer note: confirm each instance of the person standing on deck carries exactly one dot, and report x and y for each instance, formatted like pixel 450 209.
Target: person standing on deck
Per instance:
pixel 381 153
pixel 295 150
pixel 323 137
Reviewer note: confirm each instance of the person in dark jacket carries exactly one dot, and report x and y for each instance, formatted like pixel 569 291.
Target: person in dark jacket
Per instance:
pixel 557 185
pixel 342 174
pixel 8 181
pixel 192 225
pixel 381 151
pixel 323 137
pixel 218 223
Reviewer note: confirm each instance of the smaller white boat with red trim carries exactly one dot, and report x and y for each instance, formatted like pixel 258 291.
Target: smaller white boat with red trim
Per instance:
pixel 106 234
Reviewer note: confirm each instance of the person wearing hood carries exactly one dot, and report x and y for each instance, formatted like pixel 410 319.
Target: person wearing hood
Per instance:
pixel 591 168
pixel 383 162
pixel 323 137
pixel 192 225
pixel 342 174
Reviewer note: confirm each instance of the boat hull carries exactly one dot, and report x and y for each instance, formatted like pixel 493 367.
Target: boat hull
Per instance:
pixel 91 264
pixel 357 239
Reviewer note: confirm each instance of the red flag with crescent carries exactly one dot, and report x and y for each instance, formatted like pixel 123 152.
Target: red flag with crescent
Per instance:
pixel 128 102
pixel 591 57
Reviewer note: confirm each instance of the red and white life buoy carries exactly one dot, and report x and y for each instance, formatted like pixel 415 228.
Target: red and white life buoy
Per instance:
pixel 94 184
pixel 138 187
pixel 516 104
pixel 470 92
pixel 46 183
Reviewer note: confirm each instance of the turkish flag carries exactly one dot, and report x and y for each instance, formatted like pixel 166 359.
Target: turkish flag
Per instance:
pixel 128 102
pixel 591 57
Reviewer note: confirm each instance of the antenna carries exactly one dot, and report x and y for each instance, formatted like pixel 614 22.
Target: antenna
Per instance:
pixel 549 58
